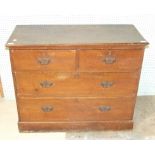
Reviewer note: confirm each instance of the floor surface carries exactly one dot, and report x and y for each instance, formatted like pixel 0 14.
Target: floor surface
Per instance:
pixel 144 126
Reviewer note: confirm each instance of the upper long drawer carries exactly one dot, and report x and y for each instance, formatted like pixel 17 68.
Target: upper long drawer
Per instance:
pixel 110 60
pixel 54 60
pixel 51 84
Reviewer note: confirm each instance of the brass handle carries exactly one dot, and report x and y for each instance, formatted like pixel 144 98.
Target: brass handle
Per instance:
pixel 47 108
pixel 44 60
pixel 109 59
pixel 46 84
pixel 104 108
pixel 106 84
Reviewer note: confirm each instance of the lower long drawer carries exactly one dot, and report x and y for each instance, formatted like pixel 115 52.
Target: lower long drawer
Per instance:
pixel 46 110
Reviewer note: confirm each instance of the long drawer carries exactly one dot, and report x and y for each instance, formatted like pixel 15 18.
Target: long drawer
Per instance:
pixel 76 85
pixel 44 110
pixel 54 60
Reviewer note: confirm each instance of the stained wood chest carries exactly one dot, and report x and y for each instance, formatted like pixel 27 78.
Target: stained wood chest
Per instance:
pixel 76 77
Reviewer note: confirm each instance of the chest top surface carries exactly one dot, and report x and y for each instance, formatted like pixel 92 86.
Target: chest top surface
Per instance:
pixel 45 35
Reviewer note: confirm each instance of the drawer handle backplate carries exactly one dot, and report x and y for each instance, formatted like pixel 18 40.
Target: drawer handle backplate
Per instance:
pixel 44 60
pixel 109 59
pixel 47 108
pixel 46 84
pixel 104 108
pixel 106 84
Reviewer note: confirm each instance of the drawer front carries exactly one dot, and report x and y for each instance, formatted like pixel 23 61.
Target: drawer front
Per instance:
pixel 67 84
pixel 110 61
pixel 53 60
pixel 75 109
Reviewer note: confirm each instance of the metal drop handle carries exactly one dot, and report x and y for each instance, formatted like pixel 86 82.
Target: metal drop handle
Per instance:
pixel 104 108
pixel 46 84
pixel 44 60
pixel 106 84
pixel 109 59
pixel 47 108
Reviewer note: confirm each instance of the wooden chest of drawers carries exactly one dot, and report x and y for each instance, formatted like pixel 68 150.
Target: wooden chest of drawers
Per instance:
pixel 76 77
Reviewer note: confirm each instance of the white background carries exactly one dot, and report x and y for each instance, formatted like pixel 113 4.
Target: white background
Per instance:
pixel 138 12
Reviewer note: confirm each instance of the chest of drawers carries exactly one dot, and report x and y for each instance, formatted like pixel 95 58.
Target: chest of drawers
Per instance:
pixel 76 77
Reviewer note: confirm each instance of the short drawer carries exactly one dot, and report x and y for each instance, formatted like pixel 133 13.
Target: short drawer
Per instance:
pixel 110 60
pixel 81 85
pixel 44 110
pixel 53 60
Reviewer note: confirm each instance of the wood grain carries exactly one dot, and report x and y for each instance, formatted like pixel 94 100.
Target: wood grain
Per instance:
pixel 118 46
pixel 67 84
pixel 45 35
pixel 62 81
pixel 31 110
pixel 75 126
pixel 59 60
pixel 125 60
